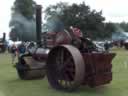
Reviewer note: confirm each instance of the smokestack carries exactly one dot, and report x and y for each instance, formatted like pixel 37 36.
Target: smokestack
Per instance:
pixel 4 36
pixel 38 24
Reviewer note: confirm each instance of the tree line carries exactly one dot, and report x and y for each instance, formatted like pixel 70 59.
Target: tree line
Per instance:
pixel 62 15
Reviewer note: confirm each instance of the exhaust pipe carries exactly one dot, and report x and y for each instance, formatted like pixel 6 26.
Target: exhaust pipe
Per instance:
pixel 38 24
pixel 4 37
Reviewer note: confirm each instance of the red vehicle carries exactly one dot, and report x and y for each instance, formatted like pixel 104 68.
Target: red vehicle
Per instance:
pixel 68 60
pixel 2 43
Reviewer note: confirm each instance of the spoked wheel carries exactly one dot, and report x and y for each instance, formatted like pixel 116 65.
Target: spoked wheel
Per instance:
pixel 65 68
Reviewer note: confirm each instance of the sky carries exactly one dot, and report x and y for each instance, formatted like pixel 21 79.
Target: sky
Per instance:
pixel 113 10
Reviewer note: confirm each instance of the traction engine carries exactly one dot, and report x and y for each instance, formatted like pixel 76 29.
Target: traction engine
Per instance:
pixel 67 59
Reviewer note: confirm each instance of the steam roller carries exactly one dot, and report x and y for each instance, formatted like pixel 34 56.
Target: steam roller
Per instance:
pixel 67 59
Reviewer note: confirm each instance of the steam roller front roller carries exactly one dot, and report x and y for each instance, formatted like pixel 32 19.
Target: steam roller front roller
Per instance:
pixel 28 68
pixel 65 68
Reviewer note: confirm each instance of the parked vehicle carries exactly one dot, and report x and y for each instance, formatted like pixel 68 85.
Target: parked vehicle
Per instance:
pixel 3 43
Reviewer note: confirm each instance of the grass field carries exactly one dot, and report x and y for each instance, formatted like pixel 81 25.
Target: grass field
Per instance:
pixel 11 85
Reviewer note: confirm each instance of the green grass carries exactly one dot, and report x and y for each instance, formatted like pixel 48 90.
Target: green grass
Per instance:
pixel 11 85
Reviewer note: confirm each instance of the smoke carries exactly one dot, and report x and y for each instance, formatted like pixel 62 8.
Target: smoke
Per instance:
pixel 53 21
pixel 54 24
pixel 25 28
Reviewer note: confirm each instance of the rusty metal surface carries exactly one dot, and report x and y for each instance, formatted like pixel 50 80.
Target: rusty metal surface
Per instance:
pixel 98 68
pixel 40 54
pixel 79 63
pixel 56 38
pixel 65 67
pixel 31 74
pixel 34 64
pixel 28 68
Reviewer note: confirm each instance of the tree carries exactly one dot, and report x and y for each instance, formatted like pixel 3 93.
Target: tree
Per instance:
pixel 79 15
pixel 109 29
pixel 25 7
pixel 124 26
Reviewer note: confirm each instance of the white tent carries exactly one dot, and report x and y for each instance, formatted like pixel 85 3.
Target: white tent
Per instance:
pixel 120 36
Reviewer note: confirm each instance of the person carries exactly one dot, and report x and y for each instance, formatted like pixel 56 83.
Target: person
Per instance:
pixel 84 44
pixel 76 35
pixel 76 31
pixel 21 49
pixel 31 48
pixel 13 53
pixel 106 46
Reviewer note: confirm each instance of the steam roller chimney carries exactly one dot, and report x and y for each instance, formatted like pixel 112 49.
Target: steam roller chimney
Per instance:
pixel 4 37
pixel 38 24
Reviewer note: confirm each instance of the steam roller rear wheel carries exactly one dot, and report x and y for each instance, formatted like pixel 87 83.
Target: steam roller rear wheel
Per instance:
pixel 65 68
pixel 25 73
